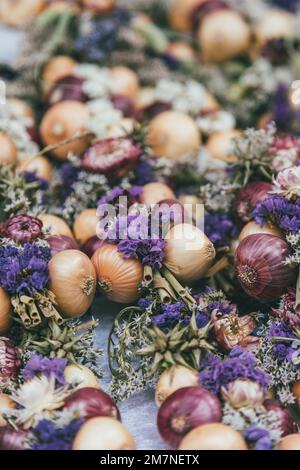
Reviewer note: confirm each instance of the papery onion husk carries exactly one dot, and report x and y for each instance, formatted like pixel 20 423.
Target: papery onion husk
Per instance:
pixel 73 282
pixel 64 121
pixel 6 404
pixel 69 88
pixel 55 225
pixel 174 135
pixel 16 13
pixel 260 269
pixel 60 243
pixel 8 155
pixel 248 198
pixel 155 192
pixel 91 245
pixel 173 379
pixel 12 440
pixel 56 68
pixel 290 442
pixel 103 434
pixel 118 278
pixel 124 81
pixel 219 145
pixel 252 229
pixel 215 436
pixel 180 14
pixel 80 376
pixel 189 253
pixel 5 312
pixel 38 165
pixel 92 402
pixel 285 421
pixel 184 410
pixel 85 225
pixel 124 104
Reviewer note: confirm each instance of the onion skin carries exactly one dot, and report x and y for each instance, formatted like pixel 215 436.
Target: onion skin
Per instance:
pixel 55 225
pixel 6 404
pixel 290 442
pixel 12 440
pixel 181 51
pixel 180 14
pixel 124 82
pixel 189 253
pixel 85 225
pixel 287 424
pixel 184 410
pixel 99 6
pixel 60 243
pixel 91 245
pixel 118 278
pixel 38 165
pixel 260 269
pixel 173 379
pixel 9 151
pixel 16 13
pixel 296 389
pixel 249 197
pixel 174 135
pixel 252 229
pixel 219 145
pixel 156 192
pixel 80 376
pixel 213 437
pixel 275 24
pixel 64 121
pixel 58 67
pixel 92 403
pixel 69 88
pixel 73 282
pixel 5 312
pixel 103 434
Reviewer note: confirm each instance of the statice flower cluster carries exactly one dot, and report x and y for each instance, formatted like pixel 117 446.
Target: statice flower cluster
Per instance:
pixel 285 343
pixel 48 436
pixel 240 363
pixel 113 196
pixel 279 211
pixel 259 437
pixel 24 269
pixel 40 365
pixel 286 309
pixel 169 316
pixel 69 176
pixel 220 229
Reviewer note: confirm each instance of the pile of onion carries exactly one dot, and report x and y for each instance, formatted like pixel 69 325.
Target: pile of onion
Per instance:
pixel 5 312
pixel 173 379
pixel 260 267
pixel 73 282
pixel 64 121
pixel 103 434
pixel 118 278
pixel 249 197
pixel 85 225
pixel 92 402
pixel 215 436
pixel 9 152
pixel 174 135
pixel 184 410
pixel 189 253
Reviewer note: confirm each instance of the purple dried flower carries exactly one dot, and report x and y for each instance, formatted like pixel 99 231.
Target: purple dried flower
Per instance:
pixel 69 176
pixel 23 228
pixel 39 365
pixel 47 436
pixel 220 229
pixel 259 437
pixel 279 211
pixel 144 173
pixel 169 317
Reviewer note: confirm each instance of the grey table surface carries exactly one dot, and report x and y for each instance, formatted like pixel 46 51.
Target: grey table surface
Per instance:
pixel 139 412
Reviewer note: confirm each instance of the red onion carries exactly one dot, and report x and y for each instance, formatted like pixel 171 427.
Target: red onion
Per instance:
pixel 154 109
pixel 287 424
pixel 260 269
pixel 10 362
pixel 124 104
pixel 60 243
pixel 92 402
pixel 112 157
pixel 11 439
pixel 67 88
pixel 184 410
pixel 205 8
pixel 249 197
pixel 91 245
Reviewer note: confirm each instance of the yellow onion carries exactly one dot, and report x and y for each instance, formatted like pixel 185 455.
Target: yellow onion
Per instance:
pixel 296 389
pixel 219 145
pixel 181 51
pixel 16 13
pixel 103 434
pixel 122 128
pixel 58 67
pixel 6 404
pixel 180 13
pixel 213 436
pixel 118 278
pixel 144 98
pixel 55 225
pixel 174 135
pixel 275 24
pixel 222 35
pixel 9 152
pixel 80 376
pixel 64 121
pixel 174 378
pixel 290 442
pixel 189 253
pixel 85 225
pixel 5 312
pixel 73 282
pixel 190 203
pixel 252 228
pixel 39 165
pixel 99 6
pixel 156 192
pixel 124 81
